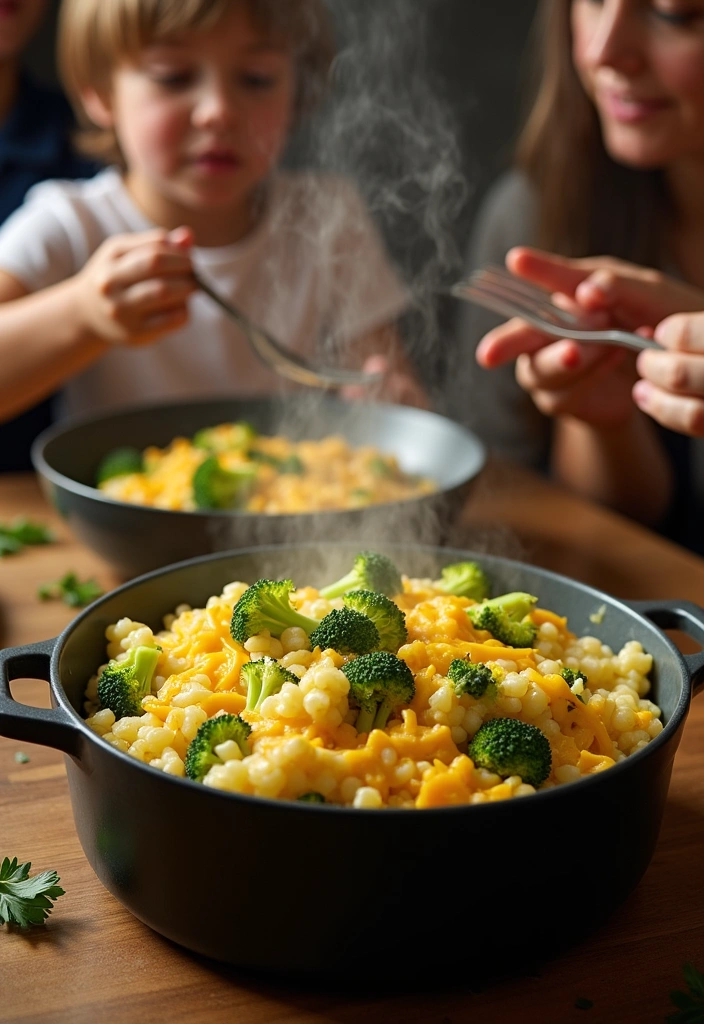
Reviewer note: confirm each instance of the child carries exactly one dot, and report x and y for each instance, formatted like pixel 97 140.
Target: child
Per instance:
pixel 35 129
pixel 194 101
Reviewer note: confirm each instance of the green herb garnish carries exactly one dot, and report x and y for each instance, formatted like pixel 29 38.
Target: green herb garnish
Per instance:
pixel 26 901
pixel 22 532
pixel 21 757
pixel 71 590
pixel 690 1005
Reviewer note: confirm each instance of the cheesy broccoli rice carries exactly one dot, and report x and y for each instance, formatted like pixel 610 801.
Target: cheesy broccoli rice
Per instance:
pixel 378 690
pixel 232 467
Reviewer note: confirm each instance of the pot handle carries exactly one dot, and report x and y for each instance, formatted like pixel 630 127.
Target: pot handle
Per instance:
pixel 685 616
pixel 52 727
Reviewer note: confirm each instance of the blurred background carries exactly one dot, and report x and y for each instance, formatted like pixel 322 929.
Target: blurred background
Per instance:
pixel 452 78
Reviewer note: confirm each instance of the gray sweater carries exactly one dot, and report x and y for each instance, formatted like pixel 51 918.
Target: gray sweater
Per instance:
pixel 490 402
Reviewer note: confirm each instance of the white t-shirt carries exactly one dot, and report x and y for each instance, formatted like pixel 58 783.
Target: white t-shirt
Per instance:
pixel 313 272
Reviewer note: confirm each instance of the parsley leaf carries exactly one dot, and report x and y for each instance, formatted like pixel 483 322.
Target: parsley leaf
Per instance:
pixel 71 590
pixel 26 901
pixel 14 536
pixel 690 1005
pixel 8 545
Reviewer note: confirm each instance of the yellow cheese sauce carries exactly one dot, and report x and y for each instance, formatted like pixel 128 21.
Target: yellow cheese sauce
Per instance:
pixel 287 477
pixel 304 738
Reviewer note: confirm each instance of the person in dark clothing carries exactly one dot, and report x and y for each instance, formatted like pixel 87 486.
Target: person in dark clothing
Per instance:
pixel 36 123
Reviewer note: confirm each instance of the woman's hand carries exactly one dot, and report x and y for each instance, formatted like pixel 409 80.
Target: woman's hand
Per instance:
pixel 631 296
pixel 135 288
pixel 672 388
pixel 591 383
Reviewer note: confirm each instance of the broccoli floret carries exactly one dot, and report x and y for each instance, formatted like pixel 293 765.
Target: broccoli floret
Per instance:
pixel 386 616
pixel 347 632
pixel 201 756
pixel 119 462
pixel 464 579
pixel 370 572
pixel 267 605
pixel 571 677
pixel 264 678
pixel 291 464
pixel 505 618
pixel 475 679
pixel 503 628
pixel 380 683
pixel 226 437
pixel 122 684
pixel 312 798
pixel 215 487
pixel 380 467
pixel 508 746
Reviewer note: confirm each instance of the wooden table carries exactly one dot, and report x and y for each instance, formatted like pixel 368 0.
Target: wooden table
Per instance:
pixel 96 963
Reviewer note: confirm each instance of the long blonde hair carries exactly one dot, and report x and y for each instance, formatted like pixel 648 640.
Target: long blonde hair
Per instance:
pixel 588 204
pixel 95 35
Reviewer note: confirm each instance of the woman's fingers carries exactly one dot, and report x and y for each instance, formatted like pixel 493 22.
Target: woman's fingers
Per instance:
pixel 633 295
pixel 637 295
pixel 685 414
pixel 559 365
pixel 599 395
pixel 556 273
pixel 679 372
pixel 683 332
pixel 508 342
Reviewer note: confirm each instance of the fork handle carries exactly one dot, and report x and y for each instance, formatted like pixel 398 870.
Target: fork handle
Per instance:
pixel 625 339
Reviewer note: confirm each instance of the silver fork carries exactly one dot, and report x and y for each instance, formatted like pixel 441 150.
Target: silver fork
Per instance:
pixel 285 363
pixel 502 292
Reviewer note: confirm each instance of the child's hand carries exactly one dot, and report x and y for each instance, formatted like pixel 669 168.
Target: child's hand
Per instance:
pixel 398 385
pixel 135 288
pixel 672 389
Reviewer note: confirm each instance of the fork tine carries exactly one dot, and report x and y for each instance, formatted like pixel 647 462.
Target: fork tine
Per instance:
pixel 497 303
pixel 540 307
pixel 508 308
pixel 499 295
pixel 498 275
pixel 538 298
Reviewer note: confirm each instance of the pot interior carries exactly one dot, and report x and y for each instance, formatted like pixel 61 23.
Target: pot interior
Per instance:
pixel 150 597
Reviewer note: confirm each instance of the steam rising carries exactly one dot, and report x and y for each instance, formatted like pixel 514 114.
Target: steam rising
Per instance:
pixel 389 131
pixel 387 135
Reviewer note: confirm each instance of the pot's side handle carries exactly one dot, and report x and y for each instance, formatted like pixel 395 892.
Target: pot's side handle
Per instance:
pixel 52 727
pixel 685 616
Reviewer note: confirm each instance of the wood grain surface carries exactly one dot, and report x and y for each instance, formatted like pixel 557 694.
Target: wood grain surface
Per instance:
pixel 96 964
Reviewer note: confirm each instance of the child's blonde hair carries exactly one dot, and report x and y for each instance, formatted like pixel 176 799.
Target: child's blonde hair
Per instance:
pixel 95 35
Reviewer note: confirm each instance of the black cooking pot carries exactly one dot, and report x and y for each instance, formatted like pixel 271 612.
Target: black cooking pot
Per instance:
pixel 136 539
pixel 317 889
